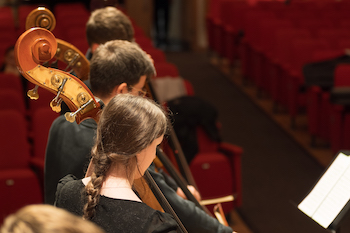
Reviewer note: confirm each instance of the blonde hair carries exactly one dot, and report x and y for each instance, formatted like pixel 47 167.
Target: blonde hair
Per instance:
pixel 42 218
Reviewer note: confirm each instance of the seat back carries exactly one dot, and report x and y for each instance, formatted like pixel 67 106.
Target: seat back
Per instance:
pixel 12 99
pixel 342 75
pixel 166 69
pixel 41 122
pixel 13 140
pixel 10 81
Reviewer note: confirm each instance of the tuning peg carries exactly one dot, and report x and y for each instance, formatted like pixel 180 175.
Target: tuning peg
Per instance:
pixel 70 116
pixel 33 93
pixel 55 104
pixel 57 81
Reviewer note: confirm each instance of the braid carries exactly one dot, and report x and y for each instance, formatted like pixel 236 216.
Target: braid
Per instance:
pixel 102 163
pixel 93 190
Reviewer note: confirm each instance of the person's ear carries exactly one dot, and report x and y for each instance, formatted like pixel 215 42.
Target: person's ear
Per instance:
pixel 120 89
pixel 94 46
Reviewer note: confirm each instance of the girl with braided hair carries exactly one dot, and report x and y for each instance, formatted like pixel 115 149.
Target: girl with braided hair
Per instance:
pixel 128 132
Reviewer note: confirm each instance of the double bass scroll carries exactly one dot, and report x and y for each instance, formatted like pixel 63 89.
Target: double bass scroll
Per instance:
pixel 66 52
pixel 32 49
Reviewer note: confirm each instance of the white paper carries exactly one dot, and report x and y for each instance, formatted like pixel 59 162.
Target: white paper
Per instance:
pixel 330 194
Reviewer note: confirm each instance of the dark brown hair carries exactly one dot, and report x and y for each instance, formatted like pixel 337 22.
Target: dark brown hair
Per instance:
pixel 117 62
pixel 128 125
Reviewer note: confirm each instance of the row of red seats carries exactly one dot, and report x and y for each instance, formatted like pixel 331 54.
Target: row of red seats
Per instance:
pixel 278 41
pixel 16 175
pixel 328 111
pixel 23 143
pixel 228 18
pixel 284 75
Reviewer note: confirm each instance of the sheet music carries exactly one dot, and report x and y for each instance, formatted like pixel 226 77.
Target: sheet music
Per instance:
pixel 330 194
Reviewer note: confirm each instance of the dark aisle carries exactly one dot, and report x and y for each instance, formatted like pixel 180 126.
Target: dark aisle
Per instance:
pixel 277 172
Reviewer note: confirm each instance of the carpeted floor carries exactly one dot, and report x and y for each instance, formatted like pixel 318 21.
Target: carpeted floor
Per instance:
pixel 277 171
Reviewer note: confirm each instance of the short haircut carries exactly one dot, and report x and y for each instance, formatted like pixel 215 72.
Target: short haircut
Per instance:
pixel 107 24
pixel 117 62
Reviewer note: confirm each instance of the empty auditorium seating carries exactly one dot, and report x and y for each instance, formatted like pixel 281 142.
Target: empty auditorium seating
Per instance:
pixel 231 28
pixel 12 99
pixel 7 40
pixel 301 53
pixel 20 187
pixel 318 96
pixel 251 40
pixel 11 81
pixel 14 140
pixel 69 17
pixel 272 58
pixel 280 62
pixel 42 119
pixel 7 20
pixel 16 175
pixel 263 54
pixel 212 20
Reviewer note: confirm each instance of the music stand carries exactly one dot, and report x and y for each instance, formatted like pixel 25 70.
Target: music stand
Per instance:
pixel 329 200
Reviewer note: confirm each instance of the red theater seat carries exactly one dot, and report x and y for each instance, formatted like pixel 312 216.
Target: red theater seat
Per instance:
pixel 13 140
pixel 213 162
pixel 14 100
pixel 19 184
pixel 42 119
pixel 19 187
pixel 165 69
pixel 11 81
